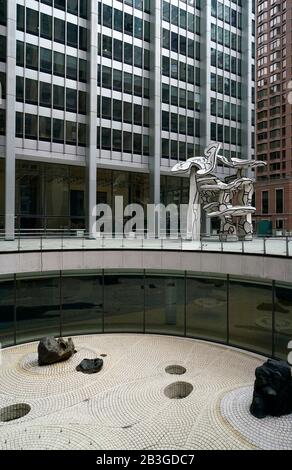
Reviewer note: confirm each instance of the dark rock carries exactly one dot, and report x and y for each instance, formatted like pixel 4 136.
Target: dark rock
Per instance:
pixel 52 350
pixel 90 366
pixel 272 390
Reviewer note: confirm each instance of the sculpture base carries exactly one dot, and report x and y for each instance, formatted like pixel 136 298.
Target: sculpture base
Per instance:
pixel 228 238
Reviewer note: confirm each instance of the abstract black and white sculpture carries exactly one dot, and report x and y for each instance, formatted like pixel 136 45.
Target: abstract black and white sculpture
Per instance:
pixel 216 196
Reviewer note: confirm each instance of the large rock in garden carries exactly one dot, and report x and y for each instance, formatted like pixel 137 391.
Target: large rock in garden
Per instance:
pixel 272 390
pixel 90 366
pixel 52 350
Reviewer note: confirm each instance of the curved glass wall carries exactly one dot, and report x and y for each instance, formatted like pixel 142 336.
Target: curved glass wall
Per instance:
pixel 247 313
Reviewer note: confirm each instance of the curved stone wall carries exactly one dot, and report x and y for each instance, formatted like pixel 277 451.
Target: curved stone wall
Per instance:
pixel 259 266
pixel 149 292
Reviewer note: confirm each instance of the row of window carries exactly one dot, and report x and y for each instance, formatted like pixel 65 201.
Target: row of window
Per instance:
pixel 48 95
pixel 2 49
pixel 273 112
pixel 225 62
pixel 3 12
pixel 143 5
pixel 275 133
pixel 58 131
pixel 50 28
pixel 275 144
pixel 177 150
pixel 180 97
pixel 180 44
pixel 116 19
pixel 123 52
pixel 225 86
pixel 122 141
pixel 30 126
pixel 226 14
pixel 47 61
pixel 75 7
pixel 3 85
pixel 122 111
pixel 226 134
pixel 122 81
pixel 2 122
pixel 226 38
pixel 279 201
pixel 180 71
pixel 172 122
pixel 226 110
pixel 179 17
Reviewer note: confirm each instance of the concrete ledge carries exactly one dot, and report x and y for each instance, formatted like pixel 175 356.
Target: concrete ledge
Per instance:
pixel 258 266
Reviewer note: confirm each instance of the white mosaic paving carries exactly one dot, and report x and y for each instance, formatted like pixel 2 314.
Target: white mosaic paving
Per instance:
pixel 124 406
pixel 268 433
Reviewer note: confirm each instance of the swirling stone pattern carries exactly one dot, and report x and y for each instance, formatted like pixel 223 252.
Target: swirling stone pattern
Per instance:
pixel 124 405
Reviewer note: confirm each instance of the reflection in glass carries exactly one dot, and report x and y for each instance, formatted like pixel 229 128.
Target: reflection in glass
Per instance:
pixel 82 304
pixel 250 315
pixel 7 302
pixel 283 319
pixel 165 304
pixel 2 182
pixel 37 307
pixel 123 302
pixel 206 309
pixel 57 191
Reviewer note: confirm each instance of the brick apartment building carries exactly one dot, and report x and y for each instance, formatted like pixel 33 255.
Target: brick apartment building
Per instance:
pixel 273 116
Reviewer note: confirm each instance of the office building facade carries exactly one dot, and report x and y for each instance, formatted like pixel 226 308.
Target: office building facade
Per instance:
pixel 102 98
pixel 274 73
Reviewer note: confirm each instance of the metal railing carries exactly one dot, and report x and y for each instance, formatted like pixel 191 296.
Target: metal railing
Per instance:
pixel 77 239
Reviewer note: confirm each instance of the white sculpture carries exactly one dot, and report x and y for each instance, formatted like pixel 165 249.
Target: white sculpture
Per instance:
pixel 216 195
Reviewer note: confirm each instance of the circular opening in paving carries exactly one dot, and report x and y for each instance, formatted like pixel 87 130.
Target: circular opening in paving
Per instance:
pixel 175 370
pixel 178 390
pixel 13 412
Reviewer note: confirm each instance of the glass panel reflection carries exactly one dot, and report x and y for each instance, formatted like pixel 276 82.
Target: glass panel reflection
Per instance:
pixel 207 308
pixel 250 315
pixel 7 301
pixel 283 319
pixel 82 304
pixel 123 302
pixel 165 304
pixel 37 307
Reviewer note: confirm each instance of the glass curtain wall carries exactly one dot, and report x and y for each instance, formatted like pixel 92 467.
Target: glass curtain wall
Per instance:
pixel 123 302
pixel 7 311
pixel 2 193
pixel 251 314
pixel 37 306
pixel 81 303
pixel 52 197
pixel 165 303
pixel 247 313
pixel 206 307
pixel 283 318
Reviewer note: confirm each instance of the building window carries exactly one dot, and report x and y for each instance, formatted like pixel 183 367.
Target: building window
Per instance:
pixel 279 201
pixel 265 202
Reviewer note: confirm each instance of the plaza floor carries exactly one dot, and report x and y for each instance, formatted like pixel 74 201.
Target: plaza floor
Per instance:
pixel 129 404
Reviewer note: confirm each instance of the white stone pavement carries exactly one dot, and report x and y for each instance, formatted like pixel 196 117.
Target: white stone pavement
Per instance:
pixel 124 405
pixel 269 246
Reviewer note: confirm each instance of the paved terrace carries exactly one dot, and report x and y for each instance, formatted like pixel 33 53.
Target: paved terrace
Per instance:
pixel 278 246
pixel 133 403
